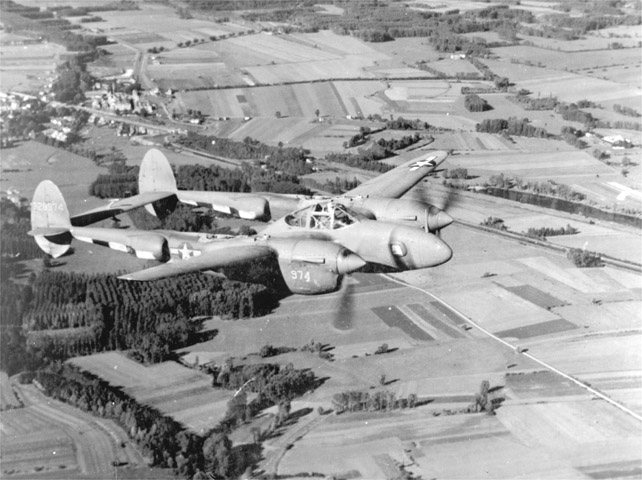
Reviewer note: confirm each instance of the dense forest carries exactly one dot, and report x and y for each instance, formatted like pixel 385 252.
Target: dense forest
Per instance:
pixel 14 242
pixel 375 21
pixel 69 314
pixel 33 21
pixel 122 180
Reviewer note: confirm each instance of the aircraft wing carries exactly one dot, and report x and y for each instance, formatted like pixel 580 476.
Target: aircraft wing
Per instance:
pixel 222 256
pixel 117 207
pixel 398 181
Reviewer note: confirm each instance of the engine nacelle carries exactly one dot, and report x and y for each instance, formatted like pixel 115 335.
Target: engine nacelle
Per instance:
pixel 311 267
pixel 149 246
pixel 405 212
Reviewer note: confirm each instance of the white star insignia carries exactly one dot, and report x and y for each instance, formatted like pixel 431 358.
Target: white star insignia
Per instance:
pixel 429 162
pixel 185 252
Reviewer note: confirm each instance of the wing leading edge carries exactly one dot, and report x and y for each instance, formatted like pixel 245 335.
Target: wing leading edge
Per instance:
pixel 226 254
pixel 398 181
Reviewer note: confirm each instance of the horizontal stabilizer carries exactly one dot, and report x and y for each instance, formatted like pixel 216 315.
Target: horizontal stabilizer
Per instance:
pixel 116 207
pixel 47 232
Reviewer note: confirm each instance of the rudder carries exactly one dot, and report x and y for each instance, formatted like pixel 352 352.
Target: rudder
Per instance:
pixel 156 175
pixel 50 221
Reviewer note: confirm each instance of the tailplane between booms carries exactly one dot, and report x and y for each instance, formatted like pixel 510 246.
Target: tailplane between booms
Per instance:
pixel 50 223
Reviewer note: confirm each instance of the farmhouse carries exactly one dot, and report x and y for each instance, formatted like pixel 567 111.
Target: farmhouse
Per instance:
pixel 617 141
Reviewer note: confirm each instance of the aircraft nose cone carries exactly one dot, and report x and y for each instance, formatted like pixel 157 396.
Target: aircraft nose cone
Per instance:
pixel 349 262
pixel 441 252
pixel 442 219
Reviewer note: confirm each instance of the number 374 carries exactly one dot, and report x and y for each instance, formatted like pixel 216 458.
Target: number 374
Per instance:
pixel 300 275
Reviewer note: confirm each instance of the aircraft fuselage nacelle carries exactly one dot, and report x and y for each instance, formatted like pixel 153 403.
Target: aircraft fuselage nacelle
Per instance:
pixel 397 246
pixel 412 213
pixel 311 266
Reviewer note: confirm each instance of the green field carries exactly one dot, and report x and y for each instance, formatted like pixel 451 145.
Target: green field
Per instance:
pixel 180 392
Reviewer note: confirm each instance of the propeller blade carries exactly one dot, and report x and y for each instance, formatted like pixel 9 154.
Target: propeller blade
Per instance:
pixel 344 315
pixel 436 216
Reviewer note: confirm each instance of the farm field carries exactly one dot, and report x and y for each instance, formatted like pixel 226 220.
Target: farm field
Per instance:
pixel 557 60
pixel 290 100
pixel 535 166
pixel 271 59
pixel 24 166
pixel 27 68
pixel 601 183
pixel 426 444
pixel 628 36
pixel 614 240
pixel 286 130
pixel 585 322
pixel 180 392
pixel 120 59
pixel 467 142
pixel 191 76
pixel 453 67
pixel 564 85
pixel 406 51
pixel 157 25
pixel 49 439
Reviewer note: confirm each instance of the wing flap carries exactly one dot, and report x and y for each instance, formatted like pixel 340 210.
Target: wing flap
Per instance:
pixel 216 258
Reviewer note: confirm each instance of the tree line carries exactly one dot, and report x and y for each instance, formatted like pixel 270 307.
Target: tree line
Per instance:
pixel 401 123
pixel 363 160
pixel 336 186
pixel 23 20
pixel 543 232
pixel 356 401
pixel 548 188
pixel 162 441
pixel 511 126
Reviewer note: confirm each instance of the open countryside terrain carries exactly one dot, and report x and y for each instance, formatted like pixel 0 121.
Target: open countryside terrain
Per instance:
pixel 503 310
pixel 527 300
pixel 184 394
pixel 27 67
pixel 49 439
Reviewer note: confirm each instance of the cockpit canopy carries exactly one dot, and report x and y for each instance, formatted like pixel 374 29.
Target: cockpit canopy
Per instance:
pixel 322 216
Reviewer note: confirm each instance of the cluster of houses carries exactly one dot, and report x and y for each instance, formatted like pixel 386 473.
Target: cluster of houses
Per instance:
pixel 13 195
pixel 120 102
pixel 60 128
pixel 11 102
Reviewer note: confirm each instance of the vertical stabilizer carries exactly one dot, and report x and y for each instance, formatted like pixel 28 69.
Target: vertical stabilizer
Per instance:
pixel 50 220
pixel 155 175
